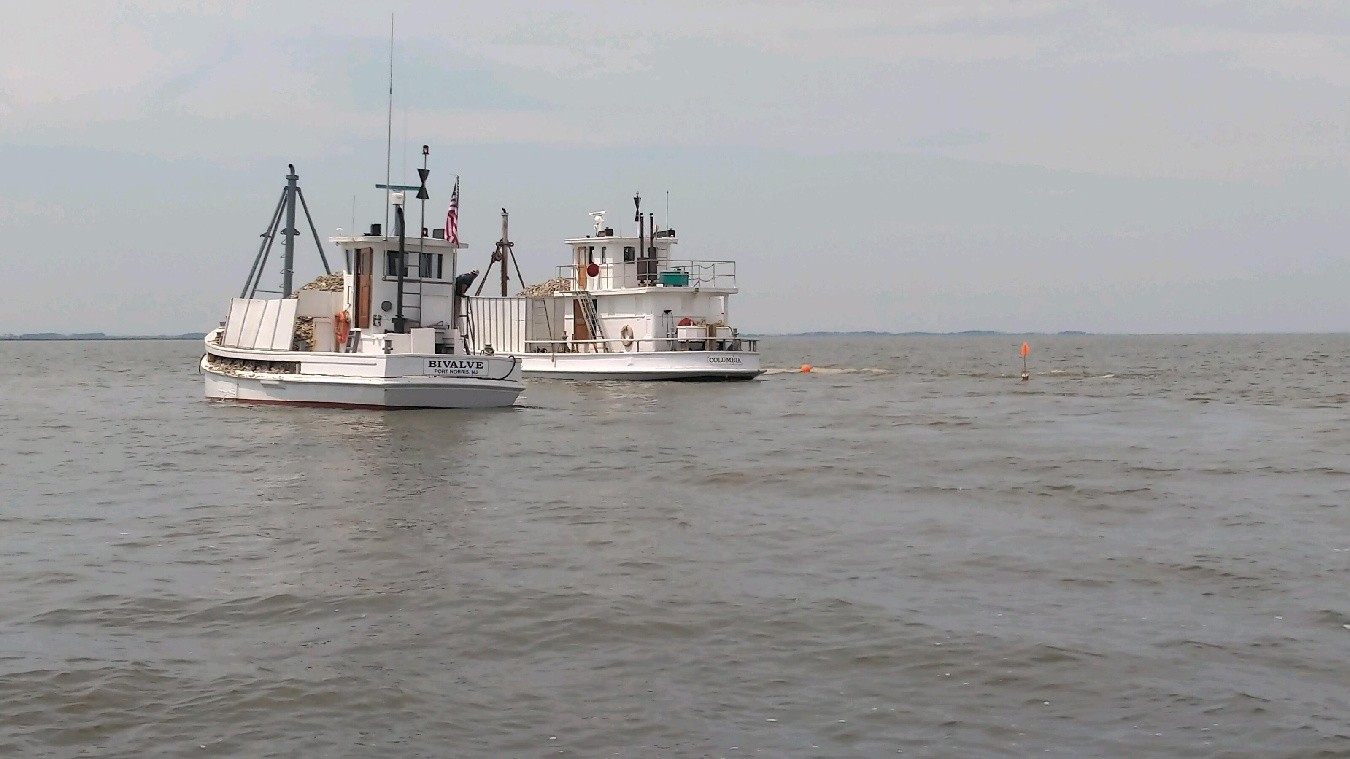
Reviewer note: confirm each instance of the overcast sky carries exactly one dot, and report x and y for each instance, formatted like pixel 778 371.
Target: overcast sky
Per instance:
pixel 1014 165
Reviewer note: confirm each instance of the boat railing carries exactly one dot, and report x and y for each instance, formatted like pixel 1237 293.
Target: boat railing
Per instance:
pixel 653 272
pixel 733 344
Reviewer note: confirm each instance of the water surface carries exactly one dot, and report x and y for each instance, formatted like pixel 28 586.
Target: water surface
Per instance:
pixel 1143 551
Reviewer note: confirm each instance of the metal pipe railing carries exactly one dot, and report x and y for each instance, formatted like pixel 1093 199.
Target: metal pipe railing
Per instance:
pixel 615 274
pixel 732 345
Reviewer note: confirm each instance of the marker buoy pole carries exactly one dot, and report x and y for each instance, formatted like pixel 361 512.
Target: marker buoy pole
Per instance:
pixel 1025 350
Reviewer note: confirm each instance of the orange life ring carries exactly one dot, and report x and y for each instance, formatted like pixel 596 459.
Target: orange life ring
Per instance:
pixel 342 326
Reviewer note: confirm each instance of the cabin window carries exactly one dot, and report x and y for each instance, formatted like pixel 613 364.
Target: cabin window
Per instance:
pixel 440 266
pixel 425 265
pixel 391 264
pixel 590 255
pixel 651 252
pixel 629 252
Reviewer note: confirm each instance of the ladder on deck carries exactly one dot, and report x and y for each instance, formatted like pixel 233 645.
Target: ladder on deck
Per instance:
pixel 593 321
pixel 465 325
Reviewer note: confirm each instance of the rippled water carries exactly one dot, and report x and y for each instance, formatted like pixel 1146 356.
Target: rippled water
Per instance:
pixel 1143 551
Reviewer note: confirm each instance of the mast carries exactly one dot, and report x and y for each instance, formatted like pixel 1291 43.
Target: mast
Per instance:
pixel 283 213
pixel 396 195
pixel 505 250
pixel 399 321
pixel 642 249
pixel 288 257
pixel 422 195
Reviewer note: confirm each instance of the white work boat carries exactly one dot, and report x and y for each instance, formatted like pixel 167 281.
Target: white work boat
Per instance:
pixel 380 337
pixel 622 309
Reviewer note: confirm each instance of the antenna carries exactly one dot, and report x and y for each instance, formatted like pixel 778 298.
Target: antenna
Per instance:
pixel 389 123
pixel 598 219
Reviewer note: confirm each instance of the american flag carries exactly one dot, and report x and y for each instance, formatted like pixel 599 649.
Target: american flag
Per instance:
pixel 452 216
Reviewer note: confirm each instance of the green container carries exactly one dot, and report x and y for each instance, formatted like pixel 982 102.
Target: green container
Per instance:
pixel 675 278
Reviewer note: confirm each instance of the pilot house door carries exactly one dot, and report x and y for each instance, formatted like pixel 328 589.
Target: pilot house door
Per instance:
pixel 581 330
pixel 365 259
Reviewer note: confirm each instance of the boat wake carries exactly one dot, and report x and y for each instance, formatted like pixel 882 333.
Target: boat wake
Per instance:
pixel 872 370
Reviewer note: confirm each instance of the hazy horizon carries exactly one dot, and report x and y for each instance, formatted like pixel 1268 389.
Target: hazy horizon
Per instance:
pixel 1022 167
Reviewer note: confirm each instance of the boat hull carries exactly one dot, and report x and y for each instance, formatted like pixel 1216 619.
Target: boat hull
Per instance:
pixel 350 380
pixel 341 393
pixel 699 366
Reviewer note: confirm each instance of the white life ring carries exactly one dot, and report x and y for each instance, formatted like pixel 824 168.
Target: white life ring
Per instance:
pixel 627 336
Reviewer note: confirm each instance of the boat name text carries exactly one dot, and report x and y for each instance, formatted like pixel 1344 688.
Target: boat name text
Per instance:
pixel 458 367
pixel 724 359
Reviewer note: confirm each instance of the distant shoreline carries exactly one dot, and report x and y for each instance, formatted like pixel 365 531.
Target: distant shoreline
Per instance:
pixel 994 333
pixel 56 337
pixel 963 333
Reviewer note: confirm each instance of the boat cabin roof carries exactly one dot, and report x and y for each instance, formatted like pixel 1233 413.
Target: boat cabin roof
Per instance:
pixel 662 240
pixel 386 242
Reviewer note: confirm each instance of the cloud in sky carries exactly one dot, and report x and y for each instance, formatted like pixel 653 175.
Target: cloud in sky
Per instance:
pixel 796 76
pixel 1143 148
